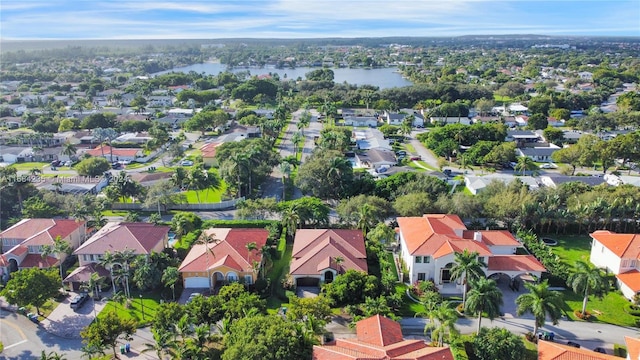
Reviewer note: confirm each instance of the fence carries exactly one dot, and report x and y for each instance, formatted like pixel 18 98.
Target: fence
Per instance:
pixel 223 205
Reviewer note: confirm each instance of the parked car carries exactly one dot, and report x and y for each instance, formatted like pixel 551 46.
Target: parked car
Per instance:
pixel 56 163
pixel 192 296
pixel 574 344
pixel 401 153
pixel 78 301
pixel 600 350
pixel 186 163
pixel 33 317
pixel 548 166
pixel 415 158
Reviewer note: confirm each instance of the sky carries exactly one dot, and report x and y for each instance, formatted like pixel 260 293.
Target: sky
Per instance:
pixel 210 19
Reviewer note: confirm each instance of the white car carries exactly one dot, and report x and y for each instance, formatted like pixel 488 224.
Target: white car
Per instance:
pixel 186 163
pixel 548 166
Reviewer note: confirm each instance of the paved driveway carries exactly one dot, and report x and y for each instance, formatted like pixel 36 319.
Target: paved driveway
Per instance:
pixel 65 322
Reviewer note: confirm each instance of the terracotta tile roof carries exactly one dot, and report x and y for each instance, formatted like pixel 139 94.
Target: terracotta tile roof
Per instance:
pixel 631 279
pixel 36 260
pixel 209 150
pixel 230 251
pixel 379 338
pixel 623 245
pixel 633 347
pixel 548 350
pixel 493 237
pixel 514 263
pixel 315 250
pixel 425 235
pixel 126 152
pixel 83 273
pixel 26 228
pixel 118 236
pixel 142 177
pixel 17 250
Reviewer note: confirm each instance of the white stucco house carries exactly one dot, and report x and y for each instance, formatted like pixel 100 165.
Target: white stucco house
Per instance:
pixel 619 254
pixel 428 245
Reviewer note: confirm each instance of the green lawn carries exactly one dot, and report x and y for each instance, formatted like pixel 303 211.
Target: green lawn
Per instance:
pixel 571 248
pixel 25 166
pixel 409 307
pixel 149 301
pixel 410 148
pixel 609 309
pixel 206 196
pixel 500 98
pixel 278 271
pixel 390 258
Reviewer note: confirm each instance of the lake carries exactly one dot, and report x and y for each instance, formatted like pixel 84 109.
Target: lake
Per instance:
pixel 382 78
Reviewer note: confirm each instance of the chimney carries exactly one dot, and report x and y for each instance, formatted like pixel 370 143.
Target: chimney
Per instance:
pixel 477 236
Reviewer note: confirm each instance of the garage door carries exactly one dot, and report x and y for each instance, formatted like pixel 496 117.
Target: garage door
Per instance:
pixel 308 281
pixel 196 282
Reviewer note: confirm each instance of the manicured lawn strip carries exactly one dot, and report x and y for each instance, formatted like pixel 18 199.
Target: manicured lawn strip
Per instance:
pixel 415 166
pixel 409 308
pixel 114 213
pixel 501 98
pixel 205 197
pixel 29 165
pixel 278 271
pixel 610 306
pixel 151 301
pixel 532 350
pixel 571 248
pixel 391 260
pixel 410 148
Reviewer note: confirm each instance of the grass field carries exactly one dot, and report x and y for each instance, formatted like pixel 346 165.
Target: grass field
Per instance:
pixel 205 196
pixel 409 307
pixel 502 99
pixel 571 248
pixel 26 166
pixel 149 301
pixel 279 269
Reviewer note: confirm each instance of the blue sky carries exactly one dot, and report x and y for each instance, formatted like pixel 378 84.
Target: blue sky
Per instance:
pixel 144 19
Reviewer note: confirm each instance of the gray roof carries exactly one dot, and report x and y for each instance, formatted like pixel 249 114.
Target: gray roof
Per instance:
pixel 546 151
pixel 589 180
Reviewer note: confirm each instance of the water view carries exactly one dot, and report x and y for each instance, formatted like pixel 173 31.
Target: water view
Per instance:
pixel 382 78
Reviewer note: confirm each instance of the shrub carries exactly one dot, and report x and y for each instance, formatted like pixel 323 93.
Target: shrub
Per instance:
pixel 420 287
pixel 632 309
pixel 238 223
pixel 619 350
pixel 497 343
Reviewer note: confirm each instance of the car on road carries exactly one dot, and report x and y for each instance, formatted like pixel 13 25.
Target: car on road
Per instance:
pixel 79 300
pixel 186 163
pixel 33 317
pixel 600 350
pixel 574 344
pixel 415 158
pixel 548 166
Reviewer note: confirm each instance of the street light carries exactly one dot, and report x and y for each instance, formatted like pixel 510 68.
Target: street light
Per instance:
pixel 142 305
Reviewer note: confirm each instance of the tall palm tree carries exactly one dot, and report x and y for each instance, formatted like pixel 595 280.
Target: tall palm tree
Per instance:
pixel 125 258
pixel 442 322
pixel 541 302
pixel 467 267
pixel 60 248
pixel 107 261
pixel 251 246
pixel 525 164
pixel 285 169
pixel 69 149
pixel 304 121
pixel 291 220
pixel 296 140
pixel 586 278
pixel 162 343
pixel 170 277
pixel 484 297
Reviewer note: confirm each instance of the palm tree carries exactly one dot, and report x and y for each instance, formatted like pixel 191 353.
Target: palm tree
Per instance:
pixel 107 261
pixel 339 260
pixel 304 121
pixel 365 218
pixel 291 220
pixel 170 277
pixel 60 248
pixel 524 164
pixel 51 356
pixel 162 343
pixel 207 240
pixel 296 139
pixel 586 278
pixel 35 172
pixel 541 302
pixel 125 258
pixel 484 296
pixel 251 246
pixel 468 267
pixel 69 149
pixel 285 169
pixel 442 323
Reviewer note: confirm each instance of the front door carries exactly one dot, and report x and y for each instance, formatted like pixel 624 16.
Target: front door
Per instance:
pixel 328 277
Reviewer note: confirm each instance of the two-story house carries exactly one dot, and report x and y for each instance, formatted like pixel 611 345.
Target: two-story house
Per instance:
pixel 24 242
pixel 429 243
pixel 619 254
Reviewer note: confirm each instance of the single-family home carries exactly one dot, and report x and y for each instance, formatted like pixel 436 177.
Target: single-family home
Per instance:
pixel 550 350
pixel 24 242
pixel 538 154
pixel 149 178
pixel 476 184
pixel 394 118
pixel 224 255
pixel 522 137
pixel 136 138
pixel 370 139
pixel 619 254
pixel 557 180
pixel 319 255
pixel 464 120
pixel 14 154
pixel 585 75
pixel 116 154
pixel 429 243
pixel 361 121
pixel 77 185
pixel 379 338
pixel 208 152
pixel 376 158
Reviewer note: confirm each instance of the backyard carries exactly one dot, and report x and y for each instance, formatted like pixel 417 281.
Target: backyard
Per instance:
pixel 142 308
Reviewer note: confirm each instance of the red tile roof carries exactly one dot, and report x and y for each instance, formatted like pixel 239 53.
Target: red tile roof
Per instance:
pixel 27 228
pixel 36 260
pixel 119 236
pixel 514 263
pixel 631 279
pixel 230 251
pixel 315 250
pixel 494 237
pixel 83 273
pixel 379 338
pixel 623 245
pixel 548 350
pixel 633 347
pixel 125 152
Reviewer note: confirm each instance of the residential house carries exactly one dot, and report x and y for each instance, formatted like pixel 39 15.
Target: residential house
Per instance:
pixel 149 178
pixel 379 338
pixel 361 121
pixel 226 258
pixel 429 243
pixel 22 243
pixel 319 255
pixel 555 181
pixel 450 120
pixel 136 138
pixel 160 101
pixel 116 154
pixel 138 237
pixel 585 75
pixel 549 350
pixel 476 184
pixel 78 185
pixel 208 152
pixel 376 158
pixel 14 154
pixel 538 154
pixel 370 139
pixel 619 254
pixel 522 138
pixel 394 119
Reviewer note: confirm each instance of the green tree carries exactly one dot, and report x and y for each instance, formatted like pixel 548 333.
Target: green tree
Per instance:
pixel 51 356
pixel 106 332
pixel 69 149
pixel 32 287
pixel 443 323
pixel 541 302
pixel 363 211
pixel 525 164
pixel 587 279
pixel 484 297
pixel 501 154
pixel 497 343
pixel 352 287
pixel 326 175
pixel 94 166
pixel 414 204
pixel 468 267
pixel 570 155
pixel 162 343
pixel 301 308
pixel 537 122
pixel 170 277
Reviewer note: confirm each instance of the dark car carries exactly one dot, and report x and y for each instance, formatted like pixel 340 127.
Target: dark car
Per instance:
pixel 416 158
pixel 600 350
pixel 78 301
pixel 574 344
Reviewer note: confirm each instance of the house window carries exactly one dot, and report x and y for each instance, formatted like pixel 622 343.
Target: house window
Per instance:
pixel 422 276
pixel 248 279
pixel 633 263
pixel 427 259
pixel 625 263
pixel 418 259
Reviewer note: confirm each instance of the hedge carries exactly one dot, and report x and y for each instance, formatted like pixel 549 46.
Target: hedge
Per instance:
pixel 238 223
pixel 632 310
pixel 619 350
